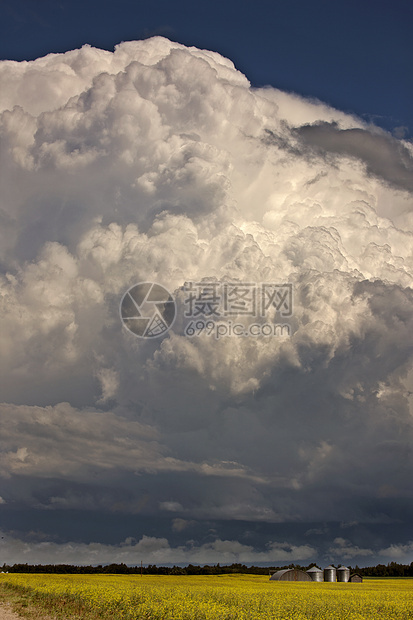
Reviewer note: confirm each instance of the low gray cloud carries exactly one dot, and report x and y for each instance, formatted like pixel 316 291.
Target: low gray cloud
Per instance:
pixel 383 155
pixel 150 550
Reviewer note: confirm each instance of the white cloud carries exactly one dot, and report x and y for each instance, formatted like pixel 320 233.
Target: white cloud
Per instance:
pixel 398 552
pixel 344 549
pixel 160 163
pixel 109 381
pixel 179 525
pixel 171 506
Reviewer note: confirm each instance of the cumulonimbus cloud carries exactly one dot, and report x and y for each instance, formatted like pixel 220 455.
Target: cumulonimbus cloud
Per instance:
pixel 160 163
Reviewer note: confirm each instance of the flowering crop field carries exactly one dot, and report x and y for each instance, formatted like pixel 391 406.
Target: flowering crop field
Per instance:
pixel 221 597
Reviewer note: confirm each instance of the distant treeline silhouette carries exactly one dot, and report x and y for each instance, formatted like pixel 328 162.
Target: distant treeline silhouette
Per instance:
pixel 381 570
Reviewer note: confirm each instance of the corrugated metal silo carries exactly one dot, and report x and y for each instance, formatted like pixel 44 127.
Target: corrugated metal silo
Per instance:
pixel 315 573
pixel 343 574
pixel 330 574
pixel 277 575
pixel 290 574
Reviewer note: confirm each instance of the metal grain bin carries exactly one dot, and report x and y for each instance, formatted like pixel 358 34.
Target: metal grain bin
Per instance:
pixel 315 573
pixel 330 574
pixel 343 574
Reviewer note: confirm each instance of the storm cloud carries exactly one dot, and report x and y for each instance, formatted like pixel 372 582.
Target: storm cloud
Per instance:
pixel 160 163
pixel 384 156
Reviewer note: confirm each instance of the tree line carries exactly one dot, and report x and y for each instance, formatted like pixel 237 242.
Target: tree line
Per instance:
pixel 381 570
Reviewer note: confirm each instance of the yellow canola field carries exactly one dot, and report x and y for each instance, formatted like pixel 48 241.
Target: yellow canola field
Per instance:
pixel 221 597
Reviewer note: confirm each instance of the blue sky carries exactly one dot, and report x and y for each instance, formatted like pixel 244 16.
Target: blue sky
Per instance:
pixel 355 55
